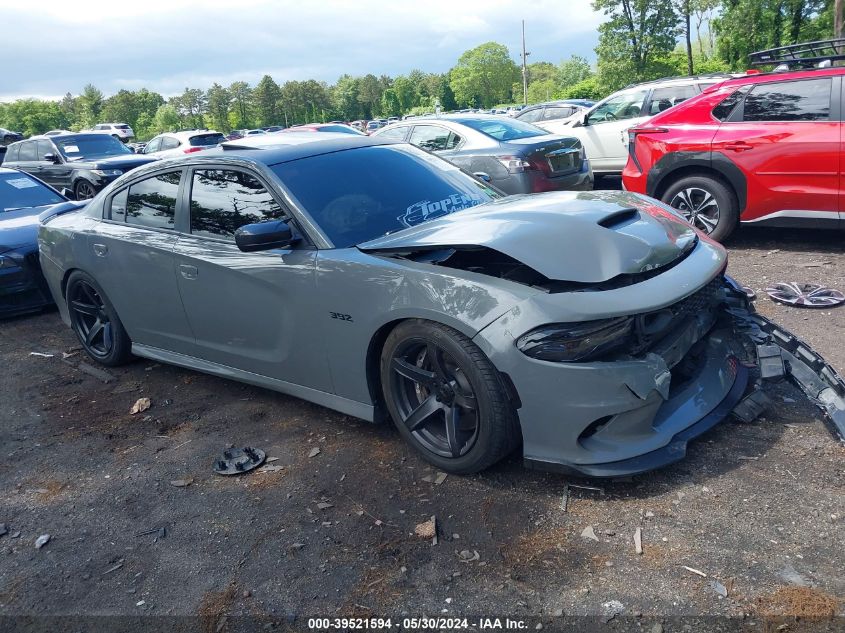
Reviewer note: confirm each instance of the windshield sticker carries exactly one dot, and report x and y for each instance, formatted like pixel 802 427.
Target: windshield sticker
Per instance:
pixel 427 210
pixel 21 183
pixel 71 149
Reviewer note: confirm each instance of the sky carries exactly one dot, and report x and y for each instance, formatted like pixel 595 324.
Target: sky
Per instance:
pixel 168 45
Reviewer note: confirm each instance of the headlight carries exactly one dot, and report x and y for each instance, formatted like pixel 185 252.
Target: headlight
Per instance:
pixel 568 342
pixel 106 172
pixel 7 262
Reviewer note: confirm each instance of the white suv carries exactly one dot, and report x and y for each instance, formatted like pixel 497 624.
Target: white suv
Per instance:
pixel 172 144
pixel 603 129
pixel 121 131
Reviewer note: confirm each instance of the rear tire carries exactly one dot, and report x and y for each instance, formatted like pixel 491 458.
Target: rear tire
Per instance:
pixel 446 398
pixel 95 321
pixel 707 203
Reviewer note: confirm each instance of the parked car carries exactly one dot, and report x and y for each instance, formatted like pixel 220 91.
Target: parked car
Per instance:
pixel 603 128
pixel 358 125
pixel 591 330
pixel 542 114
pixel 234 135
pixel 121 131
pixel 56 132
pixel 338 128
pixel 374 125
pixel 83 163
pixel 7 137
pixel 22 198
pixel 273 128
pixel 253 132
pixel 516 157
pixel 172 144
pixel 761 149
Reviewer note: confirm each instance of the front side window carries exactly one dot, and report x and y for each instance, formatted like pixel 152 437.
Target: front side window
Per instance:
pixel 152 202
pixel 807 100
pixel 224 200
pixel 628 105
pixel 44 148
pixel 378 190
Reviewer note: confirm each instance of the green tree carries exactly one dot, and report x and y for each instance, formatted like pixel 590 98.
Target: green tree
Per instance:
pixel 166 119
pixel 572 71
pixel 241 115
pixel 90 106
pixel 390 104
pixel 265 98
pixel 483 76
pixel 219 101
pixel 636 34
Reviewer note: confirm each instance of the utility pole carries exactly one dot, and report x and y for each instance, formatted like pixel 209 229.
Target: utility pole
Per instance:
pixel 837 18
pixel 525 55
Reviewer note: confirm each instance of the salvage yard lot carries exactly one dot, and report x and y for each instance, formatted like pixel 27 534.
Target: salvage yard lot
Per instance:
pixel 756 507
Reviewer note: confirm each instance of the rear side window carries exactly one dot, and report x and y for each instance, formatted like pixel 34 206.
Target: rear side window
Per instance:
pixel 558 112
pixel 206 140
pixel 122 127
pixel 723 111
pixel 12 153
pixel 532 116
pixel 168 142
pixel 152 202
pixel 224 200
pixel 807 100
pixel 430 137
pixel 665 98
pixel 28 151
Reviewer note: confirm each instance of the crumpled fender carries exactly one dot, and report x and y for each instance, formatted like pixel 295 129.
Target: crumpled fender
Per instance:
pixel 781 354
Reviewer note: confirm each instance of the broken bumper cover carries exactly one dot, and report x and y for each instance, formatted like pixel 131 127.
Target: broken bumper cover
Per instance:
pixel 628 416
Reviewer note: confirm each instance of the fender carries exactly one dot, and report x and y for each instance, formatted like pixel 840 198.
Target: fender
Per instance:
pixel 710 161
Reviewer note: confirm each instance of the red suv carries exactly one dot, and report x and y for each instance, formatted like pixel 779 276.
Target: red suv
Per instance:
pixel 762 149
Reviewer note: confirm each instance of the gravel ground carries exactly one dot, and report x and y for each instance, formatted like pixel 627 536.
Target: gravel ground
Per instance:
pixel 757 507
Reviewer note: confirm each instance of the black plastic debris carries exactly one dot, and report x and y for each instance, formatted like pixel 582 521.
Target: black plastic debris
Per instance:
pixel 752 406
pixel 236 461
pixel 805 295
pixel 770 361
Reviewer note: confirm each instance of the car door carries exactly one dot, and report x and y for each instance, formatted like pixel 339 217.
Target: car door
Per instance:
pixel 249 311
pixel 133 261
pixel 603 128
pixel 784 137
pixel 55 171
pixel 28 159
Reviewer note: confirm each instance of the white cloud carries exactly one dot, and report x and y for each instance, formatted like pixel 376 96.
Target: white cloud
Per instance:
pixel 166 45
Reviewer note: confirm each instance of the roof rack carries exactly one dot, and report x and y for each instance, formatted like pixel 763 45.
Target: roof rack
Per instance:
pixel 807 54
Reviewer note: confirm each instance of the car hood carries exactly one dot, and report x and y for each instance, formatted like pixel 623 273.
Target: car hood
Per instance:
pixel 124 162
pixel 20 228
pixel 582 237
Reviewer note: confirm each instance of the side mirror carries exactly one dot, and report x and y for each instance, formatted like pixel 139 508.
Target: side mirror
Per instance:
pixel 482 175
pixel 264 236
pixel 52 158
pixel 67 193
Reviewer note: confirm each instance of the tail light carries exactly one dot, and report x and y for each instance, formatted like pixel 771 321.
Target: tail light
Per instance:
pixel 752 71
pixel 514 164
pixel 191 150
pixel 634 132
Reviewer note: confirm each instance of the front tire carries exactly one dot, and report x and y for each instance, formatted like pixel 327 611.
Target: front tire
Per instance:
pixel 84 190
pixel 707 203
pixel 95 322
pixel 446 398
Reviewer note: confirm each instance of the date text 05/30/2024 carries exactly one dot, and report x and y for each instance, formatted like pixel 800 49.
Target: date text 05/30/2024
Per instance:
pixel 420 623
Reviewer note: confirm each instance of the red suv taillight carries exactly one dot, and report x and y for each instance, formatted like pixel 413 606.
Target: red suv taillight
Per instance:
pixel 634 132
pixel 191 150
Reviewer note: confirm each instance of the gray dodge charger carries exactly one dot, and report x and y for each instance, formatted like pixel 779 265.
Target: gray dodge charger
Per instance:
pixel 597 329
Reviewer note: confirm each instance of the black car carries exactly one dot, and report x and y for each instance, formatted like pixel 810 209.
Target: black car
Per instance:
pixel 81 163
pixel 7 136
pixel 22 199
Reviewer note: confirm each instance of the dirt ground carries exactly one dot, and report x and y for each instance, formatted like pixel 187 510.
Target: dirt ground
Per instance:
pixel 748 529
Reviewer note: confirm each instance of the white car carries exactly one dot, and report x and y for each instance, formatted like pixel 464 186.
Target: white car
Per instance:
pixel 603 129
pixel 172 144
pixel 121 131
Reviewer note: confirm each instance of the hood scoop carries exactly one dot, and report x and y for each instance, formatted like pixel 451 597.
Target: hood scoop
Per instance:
pixel 584 238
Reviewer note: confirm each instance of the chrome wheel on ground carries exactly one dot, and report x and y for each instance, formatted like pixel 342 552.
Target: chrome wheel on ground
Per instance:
pixel 95 322
pixel 446 398
pixel 84 190
pixel 699 207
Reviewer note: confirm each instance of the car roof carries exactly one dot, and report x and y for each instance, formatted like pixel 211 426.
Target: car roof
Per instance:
pixel 190 133
pixel 281 148
pixel 784 75
pixel 58 137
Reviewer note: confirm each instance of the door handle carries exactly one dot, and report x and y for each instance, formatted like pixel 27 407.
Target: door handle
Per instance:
pixel 100 250
pixel 188 272
pixel 739 146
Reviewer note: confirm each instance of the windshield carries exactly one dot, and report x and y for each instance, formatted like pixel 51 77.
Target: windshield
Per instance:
pixel 207 140
pixel 360 194
pixel 91 147
pixel 504 129
pixel 19 191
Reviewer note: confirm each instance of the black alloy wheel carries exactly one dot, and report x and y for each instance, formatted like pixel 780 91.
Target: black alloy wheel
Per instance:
pixel 95 322
pixel 84 190
pixel 446 398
